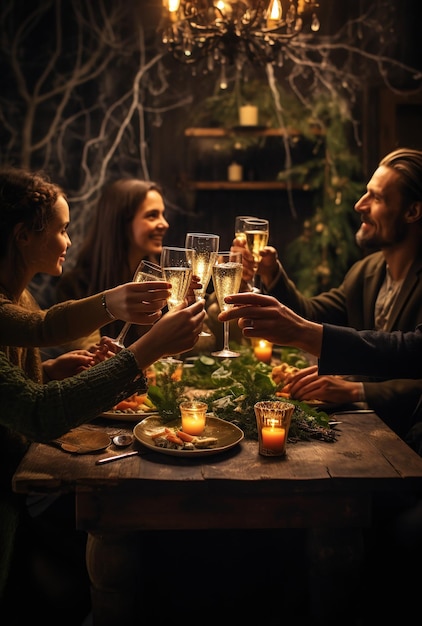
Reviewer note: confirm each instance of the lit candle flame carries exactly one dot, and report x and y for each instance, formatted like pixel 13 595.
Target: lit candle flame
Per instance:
pixel 274 13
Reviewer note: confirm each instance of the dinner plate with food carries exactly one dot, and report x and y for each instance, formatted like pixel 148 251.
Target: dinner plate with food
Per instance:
pixel 132 409
pixel 168 438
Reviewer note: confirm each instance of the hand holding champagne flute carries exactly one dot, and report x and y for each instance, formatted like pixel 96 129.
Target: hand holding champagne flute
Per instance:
pixel 145 272
pixel 226 276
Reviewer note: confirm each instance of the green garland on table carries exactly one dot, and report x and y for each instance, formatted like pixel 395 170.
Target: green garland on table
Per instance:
pixel 231 389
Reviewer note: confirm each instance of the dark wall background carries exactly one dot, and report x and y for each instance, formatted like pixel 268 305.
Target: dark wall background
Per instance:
pixel 89 94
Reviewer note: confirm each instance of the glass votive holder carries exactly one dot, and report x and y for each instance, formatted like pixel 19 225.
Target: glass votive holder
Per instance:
pixel 194 416
pixel 273 420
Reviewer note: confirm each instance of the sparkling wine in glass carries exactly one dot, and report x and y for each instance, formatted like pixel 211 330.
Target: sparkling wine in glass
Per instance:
pixel 226 276
pixel 145 272
pixel 239 226
pixel 239 233
pixel 257 233
pixel 205 249
pixel 176 264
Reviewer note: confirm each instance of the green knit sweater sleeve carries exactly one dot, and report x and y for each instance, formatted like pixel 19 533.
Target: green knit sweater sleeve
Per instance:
pixel 43 412
pixel 25 324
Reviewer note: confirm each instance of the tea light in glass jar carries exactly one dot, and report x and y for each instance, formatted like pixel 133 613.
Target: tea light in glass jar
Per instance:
pixel 263 350
pixel 273 437
pixel 273 422
pixel 194 416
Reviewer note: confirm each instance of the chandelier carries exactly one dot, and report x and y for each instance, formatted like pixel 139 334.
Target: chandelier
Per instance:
pixel 232 31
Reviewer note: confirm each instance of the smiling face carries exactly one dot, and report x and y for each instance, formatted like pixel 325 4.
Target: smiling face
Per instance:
pixel 45 251
pixel 382 211
pixel 149 226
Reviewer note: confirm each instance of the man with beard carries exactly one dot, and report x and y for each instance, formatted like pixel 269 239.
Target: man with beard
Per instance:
pixel 383 291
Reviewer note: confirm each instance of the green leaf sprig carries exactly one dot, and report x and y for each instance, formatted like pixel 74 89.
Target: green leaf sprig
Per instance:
pixel 231 389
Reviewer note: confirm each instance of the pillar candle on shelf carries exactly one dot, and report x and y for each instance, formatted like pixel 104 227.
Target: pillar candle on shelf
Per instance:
pixel 235 172
pixel 248 115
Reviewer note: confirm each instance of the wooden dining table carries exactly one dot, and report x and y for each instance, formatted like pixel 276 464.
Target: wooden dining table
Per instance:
pixel 329 490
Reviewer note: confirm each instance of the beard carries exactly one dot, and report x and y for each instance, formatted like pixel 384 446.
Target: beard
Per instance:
pixel 369 243
pixel 375 241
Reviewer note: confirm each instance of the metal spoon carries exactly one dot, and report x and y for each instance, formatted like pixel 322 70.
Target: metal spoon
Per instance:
pixel 122 441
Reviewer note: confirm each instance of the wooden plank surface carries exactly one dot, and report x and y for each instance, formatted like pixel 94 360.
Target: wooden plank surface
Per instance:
pixel 238 130
pixel 367 453
pixel 329 489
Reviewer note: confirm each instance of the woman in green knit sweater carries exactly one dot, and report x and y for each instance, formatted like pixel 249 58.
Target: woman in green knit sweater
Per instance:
pixel 34 216
pixel 42 412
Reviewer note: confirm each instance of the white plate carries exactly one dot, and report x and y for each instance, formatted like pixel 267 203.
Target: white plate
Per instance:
pixel 120 416
pixel 228 435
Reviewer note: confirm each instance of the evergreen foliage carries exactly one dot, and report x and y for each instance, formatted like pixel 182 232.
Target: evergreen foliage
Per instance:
pixel 322 131
pixel 319 258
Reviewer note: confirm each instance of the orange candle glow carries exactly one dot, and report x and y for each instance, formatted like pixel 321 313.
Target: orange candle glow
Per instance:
pixel 193 424
pixel 263 351
pixel 273 438
pixel 194 416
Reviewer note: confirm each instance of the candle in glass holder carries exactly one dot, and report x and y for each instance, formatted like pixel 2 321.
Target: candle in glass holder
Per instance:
pixel 263 350
pixel 273 438
pixel 273 422
pixel 194 417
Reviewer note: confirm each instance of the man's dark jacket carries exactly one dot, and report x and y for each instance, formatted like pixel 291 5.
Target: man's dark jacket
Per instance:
pixel 353 304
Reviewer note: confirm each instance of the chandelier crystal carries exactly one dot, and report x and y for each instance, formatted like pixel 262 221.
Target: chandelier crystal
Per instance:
pixel 231 32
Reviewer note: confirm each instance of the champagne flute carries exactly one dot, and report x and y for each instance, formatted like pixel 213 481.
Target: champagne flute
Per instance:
pixel 226 276
pixel 145 272
pixel 257 233
pixel 239 233
pixel 205 247
pixel 176 264
pixel 239 226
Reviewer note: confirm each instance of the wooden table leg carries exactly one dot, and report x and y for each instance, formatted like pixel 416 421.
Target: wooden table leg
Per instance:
pixel 335 567
pixel 114 569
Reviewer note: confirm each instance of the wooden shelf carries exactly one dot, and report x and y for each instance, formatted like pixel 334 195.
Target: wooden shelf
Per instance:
pixel 238 130
pixel 244 185
pixel 223 185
